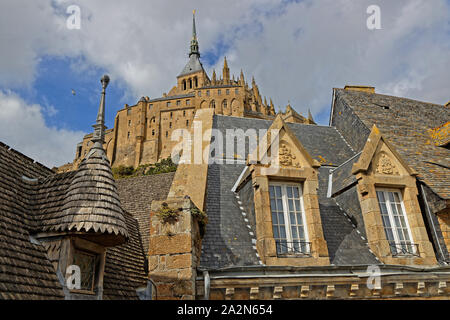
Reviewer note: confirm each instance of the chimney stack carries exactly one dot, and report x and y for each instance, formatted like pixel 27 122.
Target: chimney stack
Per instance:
pixel 367 89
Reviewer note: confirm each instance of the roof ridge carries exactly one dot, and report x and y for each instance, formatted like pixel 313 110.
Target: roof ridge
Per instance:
pixel 390 96
pixel 24 157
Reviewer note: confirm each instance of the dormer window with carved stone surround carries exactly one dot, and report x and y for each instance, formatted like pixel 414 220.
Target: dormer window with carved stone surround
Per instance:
pixel 387 193
pixel 288 223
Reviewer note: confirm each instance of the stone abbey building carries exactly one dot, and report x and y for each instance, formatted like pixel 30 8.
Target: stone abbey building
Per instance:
pixel 357 209
pixel 142 133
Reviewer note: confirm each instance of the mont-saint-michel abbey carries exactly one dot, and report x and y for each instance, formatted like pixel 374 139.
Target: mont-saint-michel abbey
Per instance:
pixel 142 133
pixel 356 209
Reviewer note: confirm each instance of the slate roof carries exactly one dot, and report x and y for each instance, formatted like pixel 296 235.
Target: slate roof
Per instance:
pixel 228 238
pixel 181 96
pixel 227 241
pixel 31 196
pixel 25 271
pixel 408 125
pixel 193 65
pixel 136 196
pixel 125 266
pixel 347 244
pixel 325 144
pixel 342 176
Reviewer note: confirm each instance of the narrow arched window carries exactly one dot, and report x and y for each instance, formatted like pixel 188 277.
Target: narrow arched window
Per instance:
pixel 212 104
pixel 224 104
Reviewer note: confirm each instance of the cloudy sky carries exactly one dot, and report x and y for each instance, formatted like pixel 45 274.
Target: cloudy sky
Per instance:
pixel 296 50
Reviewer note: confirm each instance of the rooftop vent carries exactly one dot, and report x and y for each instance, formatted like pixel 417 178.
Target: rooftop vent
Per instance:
pixel 367 89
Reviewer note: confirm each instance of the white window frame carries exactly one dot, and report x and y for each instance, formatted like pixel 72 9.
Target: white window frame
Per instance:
pixel 394 226
pixel 287 224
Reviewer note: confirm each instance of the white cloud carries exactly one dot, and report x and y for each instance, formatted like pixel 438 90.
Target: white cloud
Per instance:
pixel 296 50
pixel 22 127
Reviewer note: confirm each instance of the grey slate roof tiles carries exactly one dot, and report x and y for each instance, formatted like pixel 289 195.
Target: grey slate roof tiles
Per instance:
pixel 25 272
pixel 125 266
pixel 136 196
pixel 227 241
pixel 324 144
pixel 344 240
pixel 342 176
pixel 406 124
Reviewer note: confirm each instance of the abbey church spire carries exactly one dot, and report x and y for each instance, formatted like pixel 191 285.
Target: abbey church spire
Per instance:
pixel 194 41
pixel 194 65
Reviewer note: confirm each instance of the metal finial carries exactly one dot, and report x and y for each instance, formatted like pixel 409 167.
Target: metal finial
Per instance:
pixel 104 81
pixel 99 126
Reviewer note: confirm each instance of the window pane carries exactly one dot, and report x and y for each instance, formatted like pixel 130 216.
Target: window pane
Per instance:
pixel 86 262
pixel 296 194
pixel 278 191
pixel 273 205
pixel 383 208
pixel 291 205
pixel 390 196
pixel 294 233
pixel 271 192
pixel 390 235
pixel 396 197
pixel 292 218
pixel 274 218
pixel 279 205
pixel 380 196
pixel 297 205
pixel 386 222
pixel 299 219
pixel 301 234
pixel 282 233
pixel 281 218
pixel 289 192
pixel 276 235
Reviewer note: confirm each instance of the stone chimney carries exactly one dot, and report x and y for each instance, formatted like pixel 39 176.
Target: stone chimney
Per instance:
pixel 175 245
pixel 367 89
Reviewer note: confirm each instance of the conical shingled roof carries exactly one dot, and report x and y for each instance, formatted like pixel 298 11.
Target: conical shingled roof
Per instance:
pixel 92 203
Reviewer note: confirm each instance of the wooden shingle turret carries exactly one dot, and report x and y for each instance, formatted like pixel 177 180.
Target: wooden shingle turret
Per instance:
pixel 91 203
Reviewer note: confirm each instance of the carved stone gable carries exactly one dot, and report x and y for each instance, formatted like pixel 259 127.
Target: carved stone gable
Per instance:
pixel 287 158
pixel 385 165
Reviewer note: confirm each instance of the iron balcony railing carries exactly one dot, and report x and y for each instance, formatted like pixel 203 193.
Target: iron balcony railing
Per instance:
pixel 404 249
pixel 293 247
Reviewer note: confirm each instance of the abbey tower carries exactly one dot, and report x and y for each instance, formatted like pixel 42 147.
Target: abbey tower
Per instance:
pixel 142 133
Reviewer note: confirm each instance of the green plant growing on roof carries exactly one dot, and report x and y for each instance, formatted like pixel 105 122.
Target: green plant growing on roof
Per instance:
pixel 202 219
pixel 167 214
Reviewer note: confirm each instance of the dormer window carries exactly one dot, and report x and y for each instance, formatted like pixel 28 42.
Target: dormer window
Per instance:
pixel 87 263
pixel 395 222
pixel 288 219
